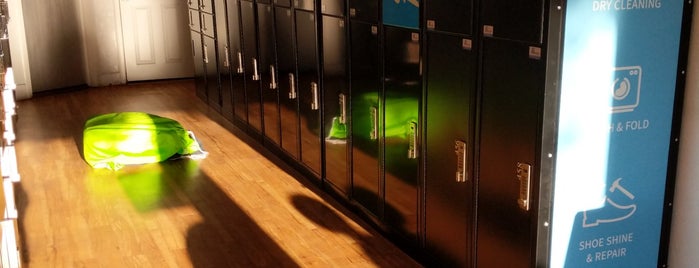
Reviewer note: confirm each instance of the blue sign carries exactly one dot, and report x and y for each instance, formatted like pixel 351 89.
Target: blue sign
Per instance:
pixel 402 13
pixel 617 96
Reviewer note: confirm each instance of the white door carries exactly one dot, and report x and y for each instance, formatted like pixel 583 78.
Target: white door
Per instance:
pixel 156 39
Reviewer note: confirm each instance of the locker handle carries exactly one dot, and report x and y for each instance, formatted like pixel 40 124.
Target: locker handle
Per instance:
pixel 273 75
pixel 374 134
pixel 203 25
pixel 194 51
pixel 314 93
pixel 343 109
pixel 255 74
pixel 412 146
pixel 460 150
pixel 191 22
pixel 292 87
pixel 524 177
pixel 206 54
pixel 240 62
pixel 226 60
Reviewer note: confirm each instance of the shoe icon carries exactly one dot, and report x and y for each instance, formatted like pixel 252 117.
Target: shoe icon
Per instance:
pixel 612 211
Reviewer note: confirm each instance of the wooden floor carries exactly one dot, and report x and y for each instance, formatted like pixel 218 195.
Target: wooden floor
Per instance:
pixel 233 209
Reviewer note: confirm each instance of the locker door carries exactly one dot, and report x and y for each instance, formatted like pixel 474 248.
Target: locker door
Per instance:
pixel 304 4
pixel 206 6
pixel 364 10
pixel 403 90
pixel 308 90
pixel 513 82
pixel 251 66
pixel 199 70
pixel 450 16
pixel 235 50
pixel 268 75
pixel 366 89
pixel 336 99
pixel 194 20
pixel 515 20
pixel 211 65
pixel 449 141
pixel 210 56
pixel 193 4
pixel 282 3
pixel 224 59
pixel 333 7
pixel 288 92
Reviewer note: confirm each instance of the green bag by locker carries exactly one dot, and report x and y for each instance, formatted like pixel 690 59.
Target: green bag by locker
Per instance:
pixel 117 139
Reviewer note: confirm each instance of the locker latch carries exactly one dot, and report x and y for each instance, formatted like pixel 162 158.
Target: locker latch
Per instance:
pixel 315 97
pixel 240 63
pixel 412 147
pixel 255 74
pixel 524 177
pixel 460 149
pixel 374 134
pixel 343 108
pixel 292 87
pixel 273 76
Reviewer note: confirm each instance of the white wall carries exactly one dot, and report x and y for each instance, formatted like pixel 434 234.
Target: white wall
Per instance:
pixel 54 43
pixel 684 238
pixel 71 43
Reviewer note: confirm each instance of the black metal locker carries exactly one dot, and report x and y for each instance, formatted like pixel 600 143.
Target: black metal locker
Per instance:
pixel 512 93
pixel 199 69
pixel 304 4
pixel 194 20
pixel 450 16
pixel 208 25
pixel 193 4
pixel 211 64
pixel 366 92
pixel 333 7
pixel 335 101
pixel 282 3
pixel 402 95
pixel 251 66
pixel 206 6
pixel 224 59
pixel 308 90
pixel 208 28
pixel 365 10
pixel 287 81
pixel 235 50
pixel 268 75
pixel 449 145
pixel 515 20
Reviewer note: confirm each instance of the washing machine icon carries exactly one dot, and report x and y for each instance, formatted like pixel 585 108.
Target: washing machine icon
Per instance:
pixel 626 89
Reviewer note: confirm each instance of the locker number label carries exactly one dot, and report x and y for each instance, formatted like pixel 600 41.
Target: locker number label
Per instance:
pixel 488 30
pixel 431 24
pixel 466 44
pixel 535 53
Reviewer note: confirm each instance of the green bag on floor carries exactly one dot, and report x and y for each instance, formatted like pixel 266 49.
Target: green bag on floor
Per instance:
pixel 117 139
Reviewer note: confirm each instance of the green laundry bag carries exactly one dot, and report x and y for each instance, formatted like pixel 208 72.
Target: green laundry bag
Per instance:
pixel 117 139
